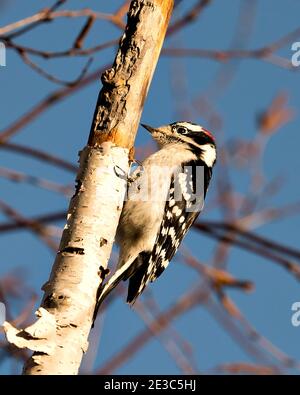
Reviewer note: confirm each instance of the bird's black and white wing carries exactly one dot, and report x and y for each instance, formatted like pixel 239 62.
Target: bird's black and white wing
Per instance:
pixel 149 233
pixel 182 208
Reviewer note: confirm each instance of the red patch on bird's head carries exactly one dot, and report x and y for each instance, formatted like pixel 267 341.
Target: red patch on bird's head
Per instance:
pixel 209 134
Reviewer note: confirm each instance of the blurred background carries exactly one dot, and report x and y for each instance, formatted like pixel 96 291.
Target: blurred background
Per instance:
pixel 224 305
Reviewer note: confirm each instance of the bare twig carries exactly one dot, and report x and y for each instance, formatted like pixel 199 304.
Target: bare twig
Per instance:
pixel 17 176
pixel 30 23
pixel 48 102
pixel 185 303
pixel 35 227
pixel 263 53
pixel 189 17
pixel 46 15
pixel 38 154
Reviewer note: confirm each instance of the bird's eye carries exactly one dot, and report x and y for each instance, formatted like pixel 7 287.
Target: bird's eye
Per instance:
pixel 182 130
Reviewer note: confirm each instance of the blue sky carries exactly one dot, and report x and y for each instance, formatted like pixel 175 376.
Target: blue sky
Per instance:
pixel 63 130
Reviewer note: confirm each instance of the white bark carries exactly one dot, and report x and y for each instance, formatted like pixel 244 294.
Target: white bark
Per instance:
pixel 59 336
pixel 86 244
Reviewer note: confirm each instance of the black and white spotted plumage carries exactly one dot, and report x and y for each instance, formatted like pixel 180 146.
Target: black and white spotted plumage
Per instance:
pixel 151 230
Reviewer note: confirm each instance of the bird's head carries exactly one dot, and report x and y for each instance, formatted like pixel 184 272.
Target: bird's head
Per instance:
pixel 193 137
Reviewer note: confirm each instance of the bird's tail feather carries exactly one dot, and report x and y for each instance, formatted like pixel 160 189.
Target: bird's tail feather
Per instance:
pixel 105 289
pixel 137 283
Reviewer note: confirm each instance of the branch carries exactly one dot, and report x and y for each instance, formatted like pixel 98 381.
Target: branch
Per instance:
pixel 42 219
pixel 38 154
pixel 46 103
pixel 189 17
pixel 157 325
pixel 46 15
pixel 265 53
pixel 36 227
pixel 59 336
pixel 17 176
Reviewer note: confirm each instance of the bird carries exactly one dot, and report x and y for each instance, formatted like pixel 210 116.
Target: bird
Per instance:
pixel 165 196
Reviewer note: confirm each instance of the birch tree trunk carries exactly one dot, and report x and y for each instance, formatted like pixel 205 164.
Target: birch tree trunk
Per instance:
pixel 59 337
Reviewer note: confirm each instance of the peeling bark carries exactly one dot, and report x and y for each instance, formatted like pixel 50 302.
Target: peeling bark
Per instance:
pixel 59 336
pixel 133 68
pixel 39 336
pixel 70 292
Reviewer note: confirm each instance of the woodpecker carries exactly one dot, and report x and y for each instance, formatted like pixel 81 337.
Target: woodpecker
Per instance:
pixel 163 201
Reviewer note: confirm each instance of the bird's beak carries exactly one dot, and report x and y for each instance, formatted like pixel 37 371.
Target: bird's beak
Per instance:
pixel 149 128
